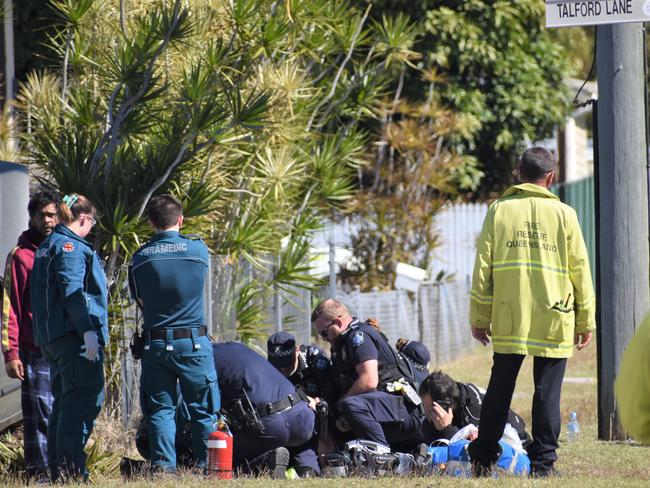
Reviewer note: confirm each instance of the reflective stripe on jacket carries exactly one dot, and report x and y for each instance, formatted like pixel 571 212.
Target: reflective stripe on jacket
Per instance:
pixel 532 283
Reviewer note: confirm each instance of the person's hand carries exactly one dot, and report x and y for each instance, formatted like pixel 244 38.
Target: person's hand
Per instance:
pixel 481 335
pixel 440 417
pixel 15 369
pixel 91 343
pixel 342 424
pixel 582 340
pixel 313 402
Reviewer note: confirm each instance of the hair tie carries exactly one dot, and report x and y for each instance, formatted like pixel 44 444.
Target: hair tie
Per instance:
pixel 70 200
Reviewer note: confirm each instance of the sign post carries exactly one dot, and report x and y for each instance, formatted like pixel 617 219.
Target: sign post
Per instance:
pixel 622 241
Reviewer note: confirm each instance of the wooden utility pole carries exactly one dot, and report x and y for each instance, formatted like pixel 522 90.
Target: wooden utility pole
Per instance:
pixel 623 189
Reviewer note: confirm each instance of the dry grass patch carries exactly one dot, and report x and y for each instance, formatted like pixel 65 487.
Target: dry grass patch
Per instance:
pixel 579 397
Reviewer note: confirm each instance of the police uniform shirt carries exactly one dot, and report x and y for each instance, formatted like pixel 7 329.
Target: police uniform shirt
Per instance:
pixel 360 343
pixel 359 346
pixel 168 275
pixel 239 368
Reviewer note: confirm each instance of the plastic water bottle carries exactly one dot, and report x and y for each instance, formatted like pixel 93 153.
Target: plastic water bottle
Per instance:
pixel 572 427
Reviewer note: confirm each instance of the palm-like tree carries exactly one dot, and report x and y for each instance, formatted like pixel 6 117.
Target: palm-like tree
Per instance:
pixel 248 110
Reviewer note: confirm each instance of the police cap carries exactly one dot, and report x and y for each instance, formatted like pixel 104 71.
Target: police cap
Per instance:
pixel 281 348
pixel 417 351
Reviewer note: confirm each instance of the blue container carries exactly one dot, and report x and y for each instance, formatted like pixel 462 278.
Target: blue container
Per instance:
pixel 512 461
pixel 439 454
pixel 507 456
pixel 458 451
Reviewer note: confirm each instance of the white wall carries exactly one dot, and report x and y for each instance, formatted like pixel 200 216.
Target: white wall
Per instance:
pixel 459 226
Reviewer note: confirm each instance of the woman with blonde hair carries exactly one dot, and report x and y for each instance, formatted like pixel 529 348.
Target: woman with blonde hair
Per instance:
pixel 69 299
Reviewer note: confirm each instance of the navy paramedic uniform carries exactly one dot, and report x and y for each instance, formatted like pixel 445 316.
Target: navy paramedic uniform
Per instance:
pixel 286 418
pixel 378 416
pixel 69 296
pixel 183 442
pixel 167 276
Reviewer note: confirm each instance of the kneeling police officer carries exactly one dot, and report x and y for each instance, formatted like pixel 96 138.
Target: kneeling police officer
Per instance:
pixel 265 412
pixel 379 403
pixel 310 369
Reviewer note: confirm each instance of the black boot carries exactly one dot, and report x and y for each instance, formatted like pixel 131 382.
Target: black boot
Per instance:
pixel 277 462
pixel 544 472
pixel 480 470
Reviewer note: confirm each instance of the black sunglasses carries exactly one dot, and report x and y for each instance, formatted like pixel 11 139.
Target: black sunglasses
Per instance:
pixel 323 333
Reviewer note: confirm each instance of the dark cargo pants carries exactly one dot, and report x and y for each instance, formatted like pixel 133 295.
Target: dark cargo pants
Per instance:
pixel 548 374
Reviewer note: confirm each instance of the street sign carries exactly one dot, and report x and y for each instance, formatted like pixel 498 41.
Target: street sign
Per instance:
pixel 568 13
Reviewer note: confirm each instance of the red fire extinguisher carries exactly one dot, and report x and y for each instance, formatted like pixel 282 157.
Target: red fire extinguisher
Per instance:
pixel 220 452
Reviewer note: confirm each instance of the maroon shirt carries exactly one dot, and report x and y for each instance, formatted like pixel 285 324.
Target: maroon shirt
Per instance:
pixel 16 305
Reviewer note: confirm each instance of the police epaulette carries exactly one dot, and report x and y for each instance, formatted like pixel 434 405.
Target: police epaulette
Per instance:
pixel 356 324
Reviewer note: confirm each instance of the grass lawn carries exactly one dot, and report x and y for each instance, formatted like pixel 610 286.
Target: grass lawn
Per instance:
pixel 584 463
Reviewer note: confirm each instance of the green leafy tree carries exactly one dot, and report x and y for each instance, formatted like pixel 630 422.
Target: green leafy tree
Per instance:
pixel 248 110
pixel 412 169
pixel 495 62
pixel 414 175
pixel 579 43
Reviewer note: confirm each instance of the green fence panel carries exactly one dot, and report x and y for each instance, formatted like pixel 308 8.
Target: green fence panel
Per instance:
pixel 581 196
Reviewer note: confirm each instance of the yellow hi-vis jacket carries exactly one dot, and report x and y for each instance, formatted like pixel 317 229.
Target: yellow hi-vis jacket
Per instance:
pixel 532 284
pixel 633 385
